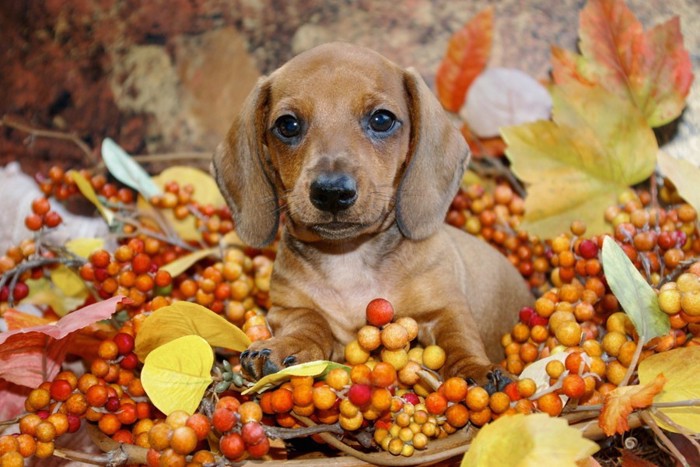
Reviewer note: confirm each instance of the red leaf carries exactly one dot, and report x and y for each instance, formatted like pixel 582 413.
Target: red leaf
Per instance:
pixel 12 397
pixel 466 57
pixel 653 69
pixel 620 402
pixel 31 355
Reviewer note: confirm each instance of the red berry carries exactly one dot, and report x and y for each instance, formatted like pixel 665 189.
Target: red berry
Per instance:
pixel 125 342
pixel 223 419
pixel 360 394
pixel 232 446
pixel 379 312
pixel 130 361
pixel 141 263
pixel 20 291
pixel 260 449
pixel 52 219
pixel 60 390
pixel 33 222
pixel 40 206
pixel 588 249
pixel 411 397
pixel 525 314
pixel 73 423
pixel 112 404
pixel 252 433
pixel 537 319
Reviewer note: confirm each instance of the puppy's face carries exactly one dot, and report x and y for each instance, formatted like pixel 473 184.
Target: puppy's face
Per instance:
pixel 337 135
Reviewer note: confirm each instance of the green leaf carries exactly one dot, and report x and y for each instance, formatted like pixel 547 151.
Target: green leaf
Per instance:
pixel 317 368
pixel 635 295
pixel 681 368
pixel 176 375
pixel 528 441
pixel 186 318
pixel 127 170
pixel 183 263
pixel 89 193
pixel 684 176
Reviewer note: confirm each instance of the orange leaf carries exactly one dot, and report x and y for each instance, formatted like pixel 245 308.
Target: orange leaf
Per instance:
pixel 483 147
pixel 16 319
pixel 466 57
pixel 652 68
pixel 619 403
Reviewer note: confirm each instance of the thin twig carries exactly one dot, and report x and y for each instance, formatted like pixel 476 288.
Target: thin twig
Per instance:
pixel 51 134
pixel 690 436
pixel 292 433
pixel 651 423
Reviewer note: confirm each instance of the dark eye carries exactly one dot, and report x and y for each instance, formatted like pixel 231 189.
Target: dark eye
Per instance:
pixel 382 121
pixel 288 127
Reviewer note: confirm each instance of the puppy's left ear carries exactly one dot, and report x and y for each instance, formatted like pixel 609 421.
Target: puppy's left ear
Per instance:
pixel 438 156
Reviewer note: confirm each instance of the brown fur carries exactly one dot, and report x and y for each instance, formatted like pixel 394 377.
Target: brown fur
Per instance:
pixel 392 242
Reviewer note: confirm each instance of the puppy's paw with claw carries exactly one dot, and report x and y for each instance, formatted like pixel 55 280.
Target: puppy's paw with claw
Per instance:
pixel 498 379
pixel 263 358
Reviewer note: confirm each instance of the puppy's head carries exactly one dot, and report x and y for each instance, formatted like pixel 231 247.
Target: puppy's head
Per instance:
pixel 344 142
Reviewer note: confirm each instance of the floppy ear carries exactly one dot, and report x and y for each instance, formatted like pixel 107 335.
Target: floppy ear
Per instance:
pixel 239 168
pixel 438 155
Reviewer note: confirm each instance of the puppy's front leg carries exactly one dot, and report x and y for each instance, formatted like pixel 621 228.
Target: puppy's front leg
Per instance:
pixel 457 333
pixel 299 335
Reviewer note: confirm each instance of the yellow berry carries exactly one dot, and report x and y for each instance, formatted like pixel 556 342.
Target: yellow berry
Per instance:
pixel 434 357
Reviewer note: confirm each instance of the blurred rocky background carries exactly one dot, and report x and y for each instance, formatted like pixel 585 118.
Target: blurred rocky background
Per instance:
pixel 168 75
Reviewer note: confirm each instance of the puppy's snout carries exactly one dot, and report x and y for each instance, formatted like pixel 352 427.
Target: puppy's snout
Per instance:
pixel 333 192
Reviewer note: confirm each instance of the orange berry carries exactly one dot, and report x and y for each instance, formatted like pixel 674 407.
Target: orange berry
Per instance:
pixel 183 440
pixel 109 424
pixel 455 389
pixel 499 402
pixel 551 404
pixel 394 336
pixel 381 399
pixel 383 375
pixel 526 387
pixel 324 398
pixel 477 398
pixel 436 403
pixel 480 417
pixel 250 412
pixel 282 400
pixel 337 378
pixel 457 415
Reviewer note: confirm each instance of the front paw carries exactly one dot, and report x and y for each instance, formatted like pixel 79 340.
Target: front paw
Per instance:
pixel 263 358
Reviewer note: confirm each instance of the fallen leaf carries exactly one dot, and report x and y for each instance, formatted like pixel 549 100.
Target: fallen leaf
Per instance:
pixel 684 176
pixel 503 97
pixel 483 147
pixel 652 69
pixel 15 319
pixel 577 165
pixel 634 293
pixel 45 292
pixel 83 247
pixel 176 374
pixel 620 402
pixel 183 319
pixel 125 169
pixel 183 263
pixel 30 356
pixel 681 367
pixel 528 440
pixel 12 397
pixel 89 193
pixel 316 368
pixel 466 57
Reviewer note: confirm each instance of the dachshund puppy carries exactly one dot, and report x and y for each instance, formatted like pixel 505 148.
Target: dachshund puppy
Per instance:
pixel 362 161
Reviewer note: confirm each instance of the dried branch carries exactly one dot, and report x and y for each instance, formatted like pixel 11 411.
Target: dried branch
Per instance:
pixel 649 420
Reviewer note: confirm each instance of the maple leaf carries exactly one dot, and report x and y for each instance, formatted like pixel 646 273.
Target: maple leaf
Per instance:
pixel 620 402
pixel 577 165
pixel 32 355
pixel 651 68
pixel 466 57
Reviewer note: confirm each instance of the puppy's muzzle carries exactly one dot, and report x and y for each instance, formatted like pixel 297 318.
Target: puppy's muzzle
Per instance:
pixel 333 192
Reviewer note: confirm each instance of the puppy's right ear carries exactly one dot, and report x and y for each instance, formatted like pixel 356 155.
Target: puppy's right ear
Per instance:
pixel 243 175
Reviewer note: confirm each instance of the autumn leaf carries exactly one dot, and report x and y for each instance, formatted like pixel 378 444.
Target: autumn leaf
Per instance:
pixel 316 368
pixel 681 367
pixel 466 57
pixel 176 374
pixel 183 263
pixel 528 440
pixel 186 318
pixel 684 176
pixel 89 193
pixel 634 293
pixel 577 165
pixel 652 69
pixel 83 247
pixel 32 355
pixel 13 397
pixel 620 402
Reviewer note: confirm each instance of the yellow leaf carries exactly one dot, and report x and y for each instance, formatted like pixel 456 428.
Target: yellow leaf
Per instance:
pixel 620 402
pixel 684 175
pixel 528 440
pixel 681 368
pixel 86 189
pixel 180 265
pixel 576 166
pixel 83 247
pixel 69 282
pixel 206 192
pixel 45 292
pixel 186 318
pixel 176 375
pixel 303 369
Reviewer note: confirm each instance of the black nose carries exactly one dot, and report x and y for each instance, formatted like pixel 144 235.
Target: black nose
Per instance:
pixel 333 192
